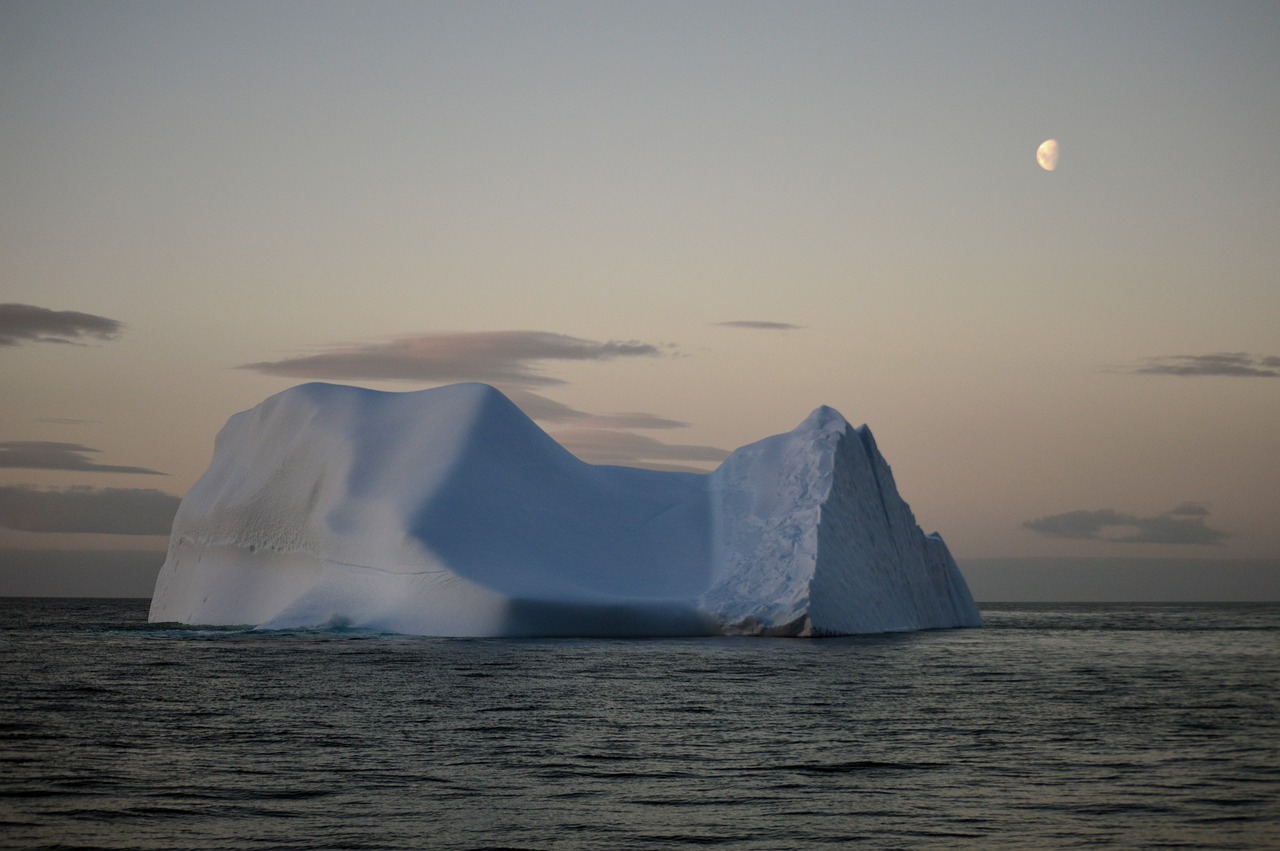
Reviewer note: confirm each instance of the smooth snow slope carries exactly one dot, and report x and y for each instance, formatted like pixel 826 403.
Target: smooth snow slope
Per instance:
pixel 449 512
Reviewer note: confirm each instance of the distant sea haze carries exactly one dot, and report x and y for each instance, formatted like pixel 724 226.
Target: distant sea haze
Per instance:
pixel 132 573
pixel 1055 726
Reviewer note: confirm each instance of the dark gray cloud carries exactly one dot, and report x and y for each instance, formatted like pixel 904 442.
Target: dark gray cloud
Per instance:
pixel 548 410
pixel 115 511
pixel 1077 524
pixel 21 323
pixel 1230 364
pixel 760 325
pixel 1184 525
pixel 607 446
pixel 499 357
pixel 50 455
pixel 1171 529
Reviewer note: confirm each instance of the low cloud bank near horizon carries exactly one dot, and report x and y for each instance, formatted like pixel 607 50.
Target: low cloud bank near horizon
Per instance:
pixel 1183 525
pixel 79 573
pixel 52 455
pixel 26 323
pixel 498 357
pixel 1138 579
pixel 113 511
pixel 1221 364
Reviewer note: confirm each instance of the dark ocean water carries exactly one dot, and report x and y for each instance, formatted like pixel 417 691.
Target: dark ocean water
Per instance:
pixel 1056 726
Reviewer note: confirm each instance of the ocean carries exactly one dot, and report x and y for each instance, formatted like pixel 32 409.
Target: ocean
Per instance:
pixel 1055 726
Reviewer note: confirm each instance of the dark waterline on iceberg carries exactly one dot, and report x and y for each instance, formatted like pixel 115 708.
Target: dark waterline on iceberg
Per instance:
pixel 1055 726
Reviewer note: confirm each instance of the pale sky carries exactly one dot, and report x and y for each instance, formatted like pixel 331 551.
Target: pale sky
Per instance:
pixel 667 230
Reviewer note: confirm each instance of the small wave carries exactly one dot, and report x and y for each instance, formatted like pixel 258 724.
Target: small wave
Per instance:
pixel 855 766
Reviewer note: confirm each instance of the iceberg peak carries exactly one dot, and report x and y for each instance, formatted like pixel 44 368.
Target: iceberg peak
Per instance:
pixel 824 418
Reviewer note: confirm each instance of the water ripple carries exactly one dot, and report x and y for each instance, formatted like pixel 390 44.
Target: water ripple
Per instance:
pixel 1057 726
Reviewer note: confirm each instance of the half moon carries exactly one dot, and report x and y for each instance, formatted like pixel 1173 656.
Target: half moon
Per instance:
pixel 1047 154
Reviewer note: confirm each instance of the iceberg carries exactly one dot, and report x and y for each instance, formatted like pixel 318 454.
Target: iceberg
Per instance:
pixel 448 512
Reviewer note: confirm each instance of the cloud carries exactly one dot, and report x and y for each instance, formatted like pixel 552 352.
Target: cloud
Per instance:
pixel 607 446
pixel 1231 364
pixel 115 511
pixel 499 357
pixel 1183 525
pixel 548 410
pixel 760 325
pixel 26 323
pixel 1077 524
pixel 1170 529
pixel 597 438
pixel 49 455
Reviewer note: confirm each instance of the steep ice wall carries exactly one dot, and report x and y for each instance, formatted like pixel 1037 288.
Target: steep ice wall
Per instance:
pixel 870 549
pixel 449 512
pixel 812 538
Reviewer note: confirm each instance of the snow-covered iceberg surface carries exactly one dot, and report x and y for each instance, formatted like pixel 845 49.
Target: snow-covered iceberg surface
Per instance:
pixel 449 512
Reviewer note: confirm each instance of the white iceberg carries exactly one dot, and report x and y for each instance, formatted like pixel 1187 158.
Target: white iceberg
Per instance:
pixel 449 512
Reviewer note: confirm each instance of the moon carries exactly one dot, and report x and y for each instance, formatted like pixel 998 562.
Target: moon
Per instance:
pixel 1047 154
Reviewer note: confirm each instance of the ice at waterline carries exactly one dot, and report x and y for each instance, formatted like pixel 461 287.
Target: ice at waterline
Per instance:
pixel 449 512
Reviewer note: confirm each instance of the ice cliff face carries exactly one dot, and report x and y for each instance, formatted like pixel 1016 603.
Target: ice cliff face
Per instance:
pixel 449 512
pixel 813 538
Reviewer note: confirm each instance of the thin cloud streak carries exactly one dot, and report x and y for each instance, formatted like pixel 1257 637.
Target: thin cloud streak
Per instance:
pixel 1184 525
pixel 498 357
pixel 114 511
pixel 51 455
pixel 548 410
pixel 607 446
pixel 22 323
pixel 1224 364
pixel 759 325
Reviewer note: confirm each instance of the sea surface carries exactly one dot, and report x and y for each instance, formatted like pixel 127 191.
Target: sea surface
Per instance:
pixel 1055 726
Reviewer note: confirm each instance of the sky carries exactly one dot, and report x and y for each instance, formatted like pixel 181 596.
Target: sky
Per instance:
pixel 666 230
